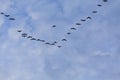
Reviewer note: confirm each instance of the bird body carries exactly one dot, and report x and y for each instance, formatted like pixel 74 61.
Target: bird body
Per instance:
pixel 105 0
pixel 7 15
pixel 94 11
pixel 73 28
pixel 78 24
pixel 83 20
pixel 11 18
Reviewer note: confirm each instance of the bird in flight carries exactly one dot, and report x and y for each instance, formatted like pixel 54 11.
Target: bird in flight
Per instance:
pixel 19 31
pixel 42 40
pixel 24 34
pixel 59 46
pixel 29 37
pixel 105 0
pixel 73 28
pixel 63 40
pixel 99 5
pixel 94 11
pixel 7 15
pixel 33 39
pixel 52 44
pixel 89 18
pixel 54 26
pixel 47 43
pixel 83 20
pixel 1 13
pixel 11 18
pixel 68 33
pixel 78 24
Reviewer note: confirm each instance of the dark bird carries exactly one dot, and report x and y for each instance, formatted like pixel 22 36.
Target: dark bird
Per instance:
pixel 59 46
pixel 68 33
pixel 78 24
pixel 24 34
pixel 29 37
pixel 11 18
pixel 1 13
pixel 47 43
pixel 83 20
pixel 105 0
pixel 19 31
pixel 7 15
pixel 33 39
pixel 42 40
pixel 52 44
pixel 89 18
pixel 99 5
pixel 94 11
pixel 73 28
pixel 54 26
pixel 38 40
pixel 55 42
pixel 63 40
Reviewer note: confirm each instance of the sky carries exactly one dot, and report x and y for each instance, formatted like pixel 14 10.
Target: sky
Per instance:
pixel 92 52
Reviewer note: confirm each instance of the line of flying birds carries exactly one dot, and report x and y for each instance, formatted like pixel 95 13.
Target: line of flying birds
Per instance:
pixel 25 35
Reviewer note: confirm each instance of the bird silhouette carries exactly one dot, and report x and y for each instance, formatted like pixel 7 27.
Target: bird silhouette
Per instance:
pixel 29 37
pixel 89 18
pixel 19 31
pixel 33 39
pixel 7 15
pixel 68 33
pixel 73 28
pixel 78 24
pixel 47 43
pixel 38 40
pixel 54 26
pixel 59 46
pixel 99 5
pixel 52 44
pixel 105 0
pixel 83 20
pixel 11 18
pixel 1 13
pixel 94 11
pixel 63 40
pixel 55 42
pixel 42 40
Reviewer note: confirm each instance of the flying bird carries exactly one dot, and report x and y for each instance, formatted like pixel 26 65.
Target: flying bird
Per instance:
pixel 55 42
pixel 33 39
pixel 63 40
pixel 94 11
pixel 73 28
pixel 38 40
pixel 99 5
pixel 59 46
pixel 83 20
pixel 11 18
pixel 54 26
pixel 19 31
pixel 78 24
pixel 68 33
pixel 89 18
pixel 29 37
pixel 7 15
pixel 24 34
pixel 47 43
pixel 1 13
pixel 42 40
pixel 105 0
pixel 52 44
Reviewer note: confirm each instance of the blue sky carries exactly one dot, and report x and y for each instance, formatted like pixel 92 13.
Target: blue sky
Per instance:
pixel 92 52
